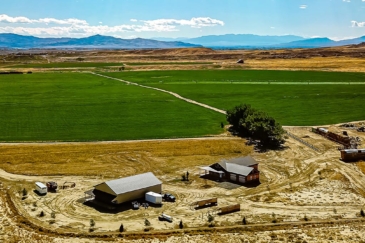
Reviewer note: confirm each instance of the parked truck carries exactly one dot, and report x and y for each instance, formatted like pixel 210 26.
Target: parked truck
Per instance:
pixel 41 188
pixel 153 197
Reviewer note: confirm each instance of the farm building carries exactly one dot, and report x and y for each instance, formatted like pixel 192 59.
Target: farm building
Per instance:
pixel 242 170
pixel 346 141
pixel 353 154
pixel 127 189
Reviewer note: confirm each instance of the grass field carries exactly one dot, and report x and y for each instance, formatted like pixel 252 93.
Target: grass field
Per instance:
pixel 166 63
pixel 228 76
pixel 84 107
pixel 66 65
pixel 291 104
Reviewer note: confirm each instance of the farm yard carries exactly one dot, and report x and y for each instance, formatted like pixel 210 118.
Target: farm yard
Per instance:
pixel 64 123
pixel 297 184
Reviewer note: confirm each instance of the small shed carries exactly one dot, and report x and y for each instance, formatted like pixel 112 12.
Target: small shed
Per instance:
pixel 127 189
pixel 241 61
pixel 350 155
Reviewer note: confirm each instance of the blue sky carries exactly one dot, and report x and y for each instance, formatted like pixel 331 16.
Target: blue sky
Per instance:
pixel 336 19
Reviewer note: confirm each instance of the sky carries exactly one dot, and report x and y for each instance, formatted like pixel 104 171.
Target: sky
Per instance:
pixel 336 19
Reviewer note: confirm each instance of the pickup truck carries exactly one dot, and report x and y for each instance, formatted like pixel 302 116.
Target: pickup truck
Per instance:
pixel 168 197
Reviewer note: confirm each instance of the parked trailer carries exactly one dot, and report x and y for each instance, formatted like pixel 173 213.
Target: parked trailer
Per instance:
pixel 351 155
pixel 205 203
pixel 153 197
pixel 165 217
pixel 229 209
pixel 41 188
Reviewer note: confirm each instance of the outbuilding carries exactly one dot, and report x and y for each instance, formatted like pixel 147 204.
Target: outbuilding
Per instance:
pixel 127 189
pixel 241 170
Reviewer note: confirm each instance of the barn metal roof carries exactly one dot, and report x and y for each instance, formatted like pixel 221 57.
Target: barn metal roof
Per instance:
pixel 350 151
pixel 245 161
pixel 133 183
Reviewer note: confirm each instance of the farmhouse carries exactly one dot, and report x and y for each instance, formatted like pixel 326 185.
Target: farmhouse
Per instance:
pixel 127 189
pixel 348 155
pixel 242 170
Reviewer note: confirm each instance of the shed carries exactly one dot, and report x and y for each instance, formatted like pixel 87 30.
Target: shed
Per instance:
pixel 127 189
pixel 240 61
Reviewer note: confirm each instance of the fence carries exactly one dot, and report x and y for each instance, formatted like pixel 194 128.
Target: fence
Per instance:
pixel 303 142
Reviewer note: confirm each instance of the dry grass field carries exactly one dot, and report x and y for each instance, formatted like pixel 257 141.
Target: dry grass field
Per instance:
pixel 298 185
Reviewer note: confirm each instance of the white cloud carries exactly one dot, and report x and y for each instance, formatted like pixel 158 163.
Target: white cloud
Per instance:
pixel 24 20
pixel 77 27
pixel 357 24
pixel 303 6
pixel 348 1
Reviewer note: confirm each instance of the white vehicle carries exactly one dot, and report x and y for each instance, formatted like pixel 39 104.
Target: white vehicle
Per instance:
pixel 153 197
pixel 41 188
pixel 165 217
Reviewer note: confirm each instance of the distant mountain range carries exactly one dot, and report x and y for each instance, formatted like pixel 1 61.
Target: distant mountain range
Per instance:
pixel 229 41
pixel 96 41
pixel 249 41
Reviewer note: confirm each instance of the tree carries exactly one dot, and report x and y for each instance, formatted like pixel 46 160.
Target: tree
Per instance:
pixel 244 221
pixel 181 224
pixel 92 223
pixel 256 124
pixel 362 213
pixel 147 222
pixel 121 228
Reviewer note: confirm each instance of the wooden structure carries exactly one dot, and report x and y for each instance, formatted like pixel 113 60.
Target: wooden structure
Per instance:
pixel 344 140
pixel 51 186
pixel 241 170
pixel 127 189
pixel 229 209
pixel 351 155
pixel 68 184
pixel 205 203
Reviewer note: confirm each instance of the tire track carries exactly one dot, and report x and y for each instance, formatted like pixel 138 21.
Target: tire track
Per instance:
pixel 165 91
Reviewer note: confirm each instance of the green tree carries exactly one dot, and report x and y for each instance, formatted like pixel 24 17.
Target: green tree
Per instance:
pixel 256 124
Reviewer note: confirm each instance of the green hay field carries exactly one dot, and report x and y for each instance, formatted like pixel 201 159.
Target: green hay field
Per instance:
pixel 84 107
pixel 66 65
pixel 293 103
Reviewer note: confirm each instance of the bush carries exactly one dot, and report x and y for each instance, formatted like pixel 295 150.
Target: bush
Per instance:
pixel 210 218
pixel 147 222
pixel 181 224
pixel 24 192
pixel 362 213
pixel 42 214
pixel 92 223
pixel 244 221
pixel 121 228
pixel 53 215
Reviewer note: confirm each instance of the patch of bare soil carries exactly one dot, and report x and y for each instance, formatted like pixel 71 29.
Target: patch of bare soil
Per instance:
pixel 297 186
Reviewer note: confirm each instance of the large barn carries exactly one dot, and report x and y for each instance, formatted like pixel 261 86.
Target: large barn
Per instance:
pixel 127 189
pixel 241 170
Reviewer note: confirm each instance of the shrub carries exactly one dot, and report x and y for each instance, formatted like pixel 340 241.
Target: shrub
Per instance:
pixel 210 218
pixel 362 213
pixel 121 228
pixel 306 218
pixel 181 224
pixel 42 214
pixel 183 177
pixel 53 215
pixel 147 222
pixel 24 192
pixel 92 223
pixel 244 221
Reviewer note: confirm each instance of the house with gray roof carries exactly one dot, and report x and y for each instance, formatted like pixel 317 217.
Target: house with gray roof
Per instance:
pixel 241 170
pixel 127 189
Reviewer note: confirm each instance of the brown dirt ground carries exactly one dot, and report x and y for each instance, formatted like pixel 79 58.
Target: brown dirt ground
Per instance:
pixel 296 183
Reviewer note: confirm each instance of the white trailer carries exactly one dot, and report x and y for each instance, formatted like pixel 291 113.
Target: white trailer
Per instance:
pixel 165 217
pixel 41 188
pixel 153 197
